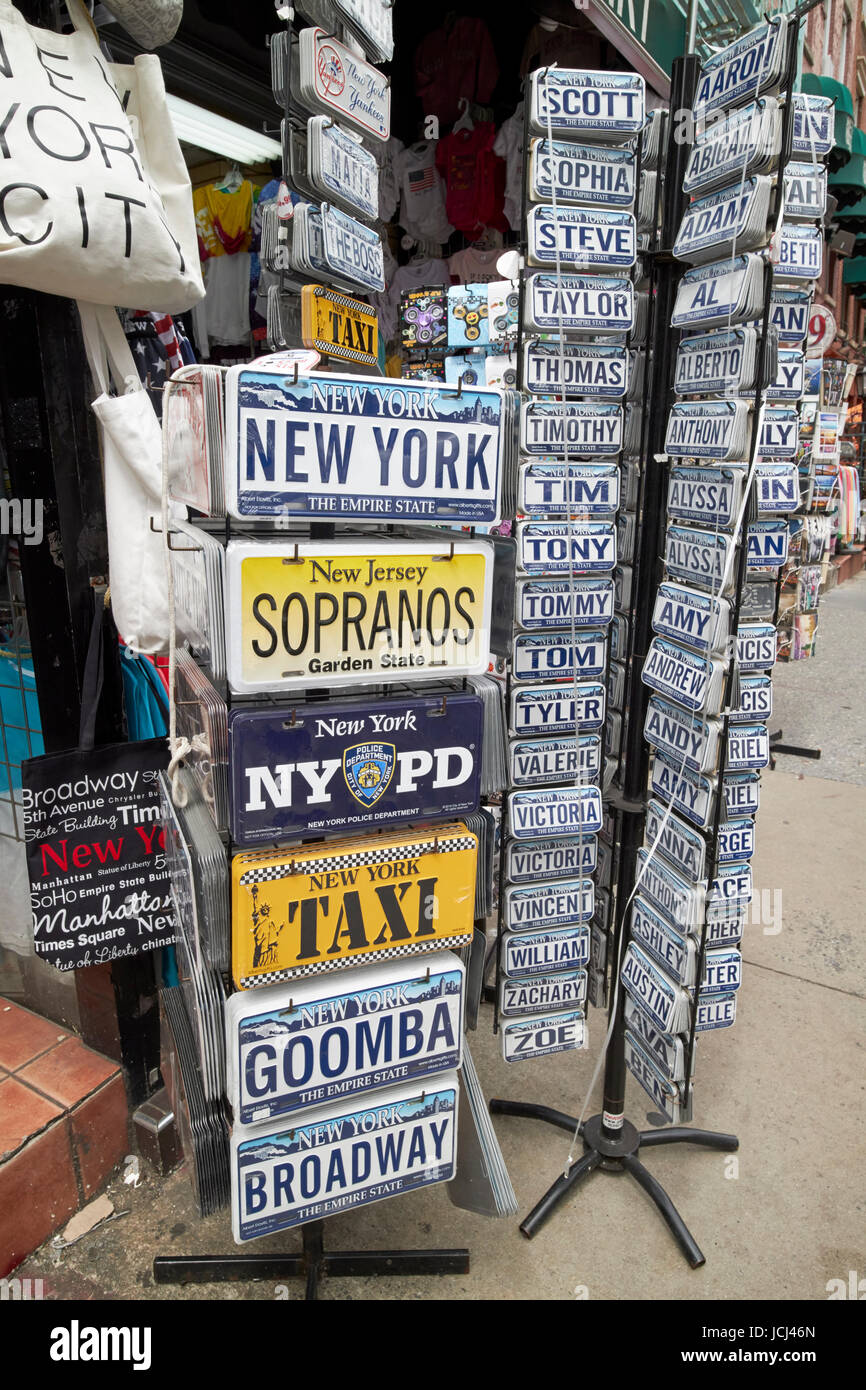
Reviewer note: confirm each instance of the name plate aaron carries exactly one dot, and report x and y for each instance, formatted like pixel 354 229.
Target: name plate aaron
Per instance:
pixel 314 1041
pixel 317 908
pixel 338 1157
pixel 349 610
pixel 351 764
pixel 360 447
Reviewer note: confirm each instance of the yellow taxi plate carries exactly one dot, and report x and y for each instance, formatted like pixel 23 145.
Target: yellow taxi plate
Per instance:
pixel 339 326
pixel 303 911
pixel 337 612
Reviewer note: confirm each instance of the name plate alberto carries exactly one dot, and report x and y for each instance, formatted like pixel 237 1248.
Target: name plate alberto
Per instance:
pixel 371 898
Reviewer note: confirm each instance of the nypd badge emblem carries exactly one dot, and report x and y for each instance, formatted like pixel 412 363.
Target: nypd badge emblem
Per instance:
pixel 368 769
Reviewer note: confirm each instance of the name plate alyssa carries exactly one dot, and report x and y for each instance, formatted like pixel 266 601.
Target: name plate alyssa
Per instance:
pixel 541 993
pixel 690 678
pixel 700 621
pixel 538 953
pixel 335 1158
pixel 347 610
pixel 576 430
pixel 554 547
pixel 544 1037
pixel 314 1041
pixel 304 911
pixel 557 489
pixel 576 369
pixel 360 447
pixel 708 429
pixel 544 815
pixel 559 708
pixel 573 102
pixel 579 304
pixel 543 906
pixel 542 762
pixel 710 495
pixel 587 174
pixel 690 742
pixel 349 765
pixel 546 859
pixel 547 604
pixel 580 238
pixel 558 655
pixel 700 557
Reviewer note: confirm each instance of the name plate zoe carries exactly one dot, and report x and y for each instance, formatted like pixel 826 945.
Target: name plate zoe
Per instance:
pixel 387 611
pixel 320 907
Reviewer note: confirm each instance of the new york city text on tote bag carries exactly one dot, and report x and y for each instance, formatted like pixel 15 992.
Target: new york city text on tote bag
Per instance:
pixel 95 199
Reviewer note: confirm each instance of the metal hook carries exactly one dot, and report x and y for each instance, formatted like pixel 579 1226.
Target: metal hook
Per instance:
pixel 455 395
pixel 433 713
pixel 157 530
pixel 290 723
pixel 423 979
pixel 449 556
pixel 290 1010
pixel 181 547
pixel 294 559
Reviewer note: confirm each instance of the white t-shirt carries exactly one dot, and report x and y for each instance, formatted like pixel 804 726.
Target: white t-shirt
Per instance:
pixel 422 200
pixel 223 316
pixel 474 267
pixel 509 146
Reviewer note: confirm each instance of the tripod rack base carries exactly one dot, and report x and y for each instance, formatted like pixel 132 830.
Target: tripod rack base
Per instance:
pixel 616 1156
pixel 311 1265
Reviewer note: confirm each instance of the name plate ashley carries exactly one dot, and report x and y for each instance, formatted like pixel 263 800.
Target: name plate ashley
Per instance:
pixel 321 907
pixel 347 765
pixel 337 1157
pixel 360 447
pixel 395 611
pixel 314 1041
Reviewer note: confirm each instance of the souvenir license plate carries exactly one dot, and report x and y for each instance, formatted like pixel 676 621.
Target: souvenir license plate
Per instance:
pixel 541 993
pixel 789 314
pixel 544 604
pixel 338 1157
pixel 581 237
pixel 321 907
pixel 556 547
pixel 687 615
pixel 348 171
pixel 579 304
pixel 344 611
pixel 544 1037
pixel 331 323
pixel 586 174
pixel 366 448
pixel 538 953
pixel 546 761
pixel 699 557
pixel 746 68
pixel 353 249
pixel 544 906
pixel 345 765
pixel 315 1041
pixel 542 815
pixel 558 656
pixel 544 859
pixel 553 709
pixel 344 83
pixel 576 429
pixel 575 102
pixel 554 489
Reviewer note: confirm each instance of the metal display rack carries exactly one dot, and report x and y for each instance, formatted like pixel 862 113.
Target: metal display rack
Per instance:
pixel 611 1142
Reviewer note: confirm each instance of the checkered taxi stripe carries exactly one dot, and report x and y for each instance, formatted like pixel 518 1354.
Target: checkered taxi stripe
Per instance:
pixel 352 861
pixel 272 977
pixel 331 349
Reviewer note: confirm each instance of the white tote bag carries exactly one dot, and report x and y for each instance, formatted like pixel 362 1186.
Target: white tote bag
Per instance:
pixel 95 198
pixel 132 462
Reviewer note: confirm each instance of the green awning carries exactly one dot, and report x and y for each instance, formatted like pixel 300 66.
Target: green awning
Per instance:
pixel 849 183
pixel 854 272
pixel 853 218
pixel 838 92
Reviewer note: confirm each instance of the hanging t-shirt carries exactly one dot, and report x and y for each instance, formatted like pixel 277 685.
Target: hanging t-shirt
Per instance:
pixel 223 220
pixel 564 46
pixel 223 316
pixel 474 267
pixel 422 204
pixel 453 62
pixel 509 146
pixel 474 179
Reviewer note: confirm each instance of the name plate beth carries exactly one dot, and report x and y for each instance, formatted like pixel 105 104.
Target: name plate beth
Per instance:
pixel 336 612
pixel 542 815
pixel 347 765
pixel 800 250
pixel 337 1157
pixel 300 912
pixel 314 1041
pixel 365 448
pixel 546 859
pixel 579 304
pixel 557 547
pixel 549 604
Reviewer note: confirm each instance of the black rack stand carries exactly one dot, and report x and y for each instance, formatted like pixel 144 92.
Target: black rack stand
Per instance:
pixel 312 1265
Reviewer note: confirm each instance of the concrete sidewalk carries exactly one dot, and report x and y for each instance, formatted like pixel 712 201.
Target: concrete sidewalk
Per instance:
pixel 777 1222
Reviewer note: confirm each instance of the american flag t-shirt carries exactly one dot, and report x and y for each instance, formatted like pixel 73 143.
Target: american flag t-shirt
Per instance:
pixel 422 179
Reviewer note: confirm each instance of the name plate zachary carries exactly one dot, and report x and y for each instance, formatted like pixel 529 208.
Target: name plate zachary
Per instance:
pixel 347 765
pixel 359 447
pixel 551 604
pixel 542 993
pixel 320 907
pixel 292 1046
pixel 338 1157
pixel 395 612
pixel 579 304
